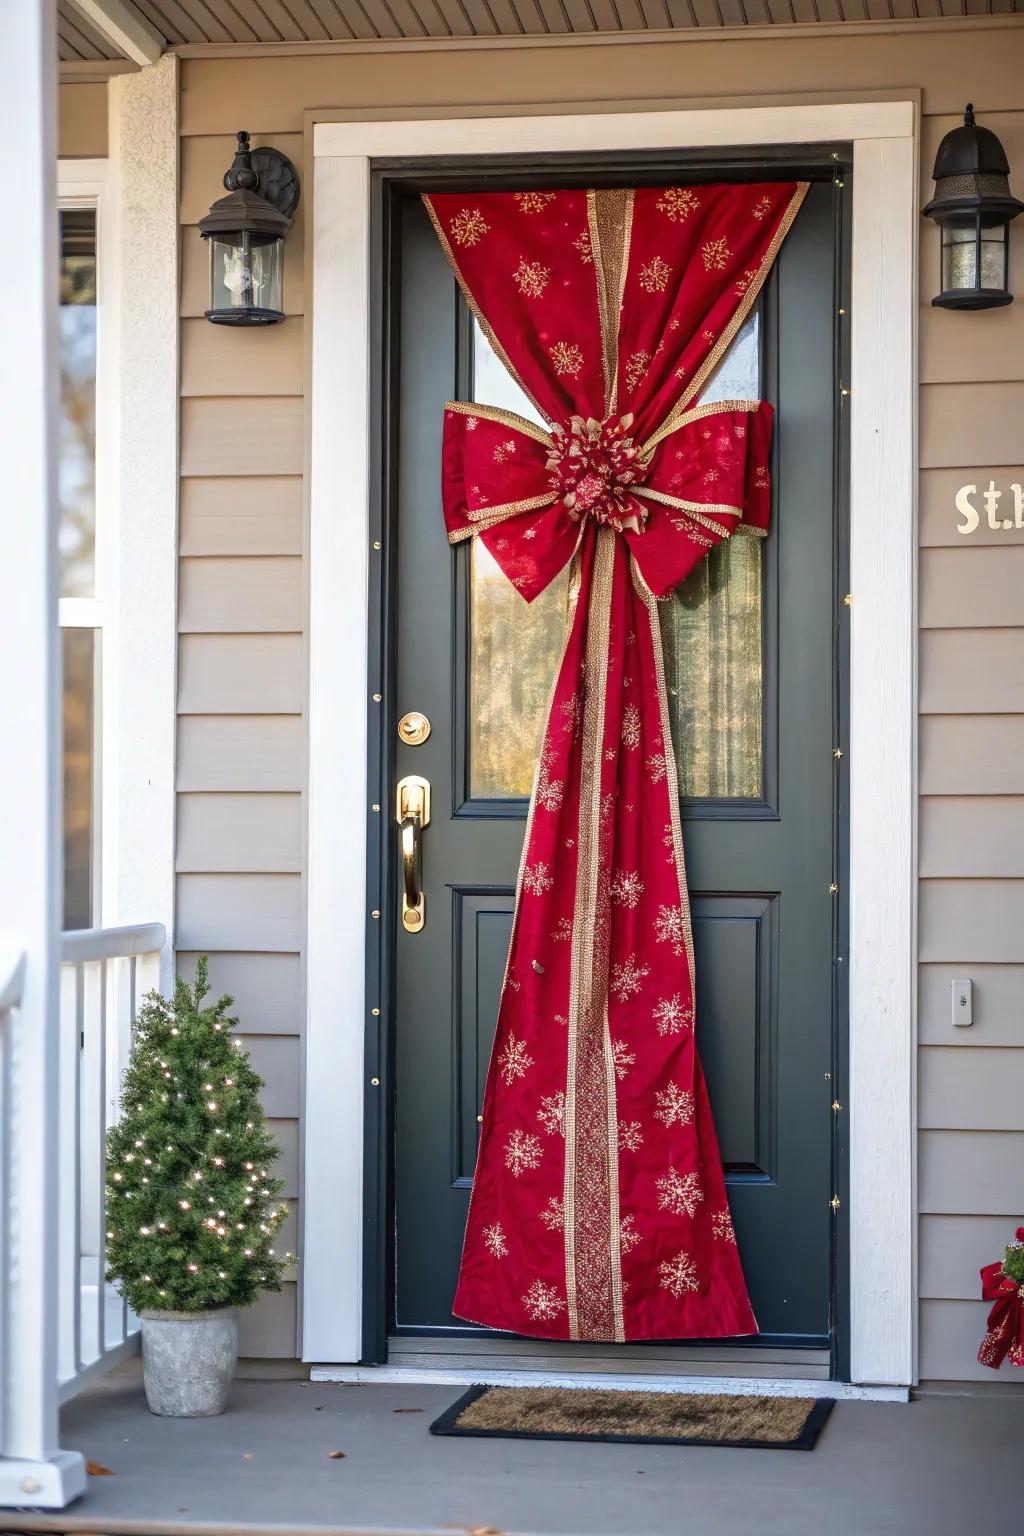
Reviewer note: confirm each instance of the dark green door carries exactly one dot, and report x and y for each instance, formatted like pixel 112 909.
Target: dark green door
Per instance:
pixel 753 688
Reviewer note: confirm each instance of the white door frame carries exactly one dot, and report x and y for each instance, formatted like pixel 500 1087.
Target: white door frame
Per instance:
pixel 883 681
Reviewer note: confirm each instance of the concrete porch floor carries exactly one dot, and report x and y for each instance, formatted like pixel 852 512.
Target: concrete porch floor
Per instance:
pixel 939 1466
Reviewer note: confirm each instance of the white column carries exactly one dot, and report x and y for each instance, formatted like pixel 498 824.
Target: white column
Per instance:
pixel 33 1470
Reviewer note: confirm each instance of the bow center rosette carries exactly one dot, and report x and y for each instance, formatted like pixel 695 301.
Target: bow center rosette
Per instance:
pixel 592 468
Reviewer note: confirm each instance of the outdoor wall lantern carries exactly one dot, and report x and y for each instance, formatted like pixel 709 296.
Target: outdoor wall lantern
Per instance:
pixel 973 207
pixel 246 233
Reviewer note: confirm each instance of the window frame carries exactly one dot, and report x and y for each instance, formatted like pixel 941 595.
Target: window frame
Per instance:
pixel 85 184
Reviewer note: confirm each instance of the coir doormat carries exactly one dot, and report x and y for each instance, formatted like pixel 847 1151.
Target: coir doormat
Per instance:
pixel 636 1418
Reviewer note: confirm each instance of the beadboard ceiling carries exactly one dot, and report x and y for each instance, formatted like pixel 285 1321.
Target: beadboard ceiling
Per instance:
pixel 184 22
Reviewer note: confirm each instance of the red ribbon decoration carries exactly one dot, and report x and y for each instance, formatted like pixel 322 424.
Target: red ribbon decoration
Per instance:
pixel 599 1208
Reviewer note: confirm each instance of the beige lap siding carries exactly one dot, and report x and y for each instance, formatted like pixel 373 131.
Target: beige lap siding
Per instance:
pixel 241 742
pixel 241 750
pixel 971 782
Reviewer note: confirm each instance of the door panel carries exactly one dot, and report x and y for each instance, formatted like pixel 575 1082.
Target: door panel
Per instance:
pixel 750 671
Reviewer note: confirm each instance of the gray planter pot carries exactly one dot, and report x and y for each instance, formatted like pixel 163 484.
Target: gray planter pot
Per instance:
pixel 188 1360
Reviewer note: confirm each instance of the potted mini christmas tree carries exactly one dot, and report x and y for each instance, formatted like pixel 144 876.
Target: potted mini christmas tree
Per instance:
pixel 192 1207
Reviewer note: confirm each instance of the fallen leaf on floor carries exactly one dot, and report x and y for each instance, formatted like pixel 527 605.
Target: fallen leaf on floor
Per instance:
pixel 408 1410
pixel 96 1469
pixel 336 1455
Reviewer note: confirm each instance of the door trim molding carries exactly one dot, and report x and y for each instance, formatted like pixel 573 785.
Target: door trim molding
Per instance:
pixel 883 681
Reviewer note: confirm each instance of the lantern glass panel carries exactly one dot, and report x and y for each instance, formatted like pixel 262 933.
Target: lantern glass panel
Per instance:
pixel 962 246
pixel 246 273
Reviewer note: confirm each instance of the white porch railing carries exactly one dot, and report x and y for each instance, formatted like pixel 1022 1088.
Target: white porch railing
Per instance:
pixel 61 1325
pixel 104 972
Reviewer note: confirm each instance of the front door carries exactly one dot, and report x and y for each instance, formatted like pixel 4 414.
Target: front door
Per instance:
pixel 753 685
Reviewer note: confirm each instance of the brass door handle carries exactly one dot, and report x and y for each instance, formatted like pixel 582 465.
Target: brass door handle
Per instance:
pixel 412 812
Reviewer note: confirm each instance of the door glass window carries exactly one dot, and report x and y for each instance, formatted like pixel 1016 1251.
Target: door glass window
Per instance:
pixel 711 631
pixel 514 646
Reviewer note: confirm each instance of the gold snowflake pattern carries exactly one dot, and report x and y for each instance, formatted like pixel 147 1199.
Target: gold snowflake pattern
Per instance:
pixel 542 1302
pixel 627 978
pixel 566 357
pixel 469 227
pixel 675 1105
pixel 553 1214
pixel 762 208
pixel 514 1060
pixel 670 928
pixel 562 931
pixel 677 203
pixel 531 278
pixel 656 767
pixel 654 275
pixel 708 336
pixel 678 1275
pixel 628 1234
pixel 631 727
pixel 671 1015
pixel 622 1059
pixel 744 282
pixel 761 479
pixel 668 841
pixel 552 1114
pixel 716 254
pixel 631 1136
pixel 636 366
pixel 536 879
pixel 472 422
pixel 549 790
pixel 494 1240
pixel 533 202
pixel 572 714
pixel 679 1193
pixel 583 245
pixel 502 451
pixel 627 888
pixel 710 476
pixel 523 1152
pixel 722 1227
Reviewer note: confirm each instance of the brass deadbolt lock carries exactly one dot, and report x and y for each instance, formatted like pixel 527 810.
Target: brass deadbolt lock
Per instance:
pixel 413 729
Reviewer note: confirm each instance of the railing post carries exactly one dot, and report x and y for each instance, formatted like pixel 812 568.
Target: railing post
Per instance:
pixel 33 1470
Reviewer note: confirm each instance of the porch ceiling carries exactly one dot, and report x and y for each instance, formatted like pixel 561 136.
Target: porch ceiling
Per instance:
pixel 84 37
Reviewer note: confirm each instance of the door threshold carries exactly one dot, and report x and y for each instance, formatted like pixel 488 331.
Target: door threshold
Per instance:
pixel 767 1386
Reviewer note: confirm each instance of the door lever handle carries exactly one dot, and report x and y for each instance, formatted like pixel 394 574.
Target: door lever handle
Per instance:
pixel 412 812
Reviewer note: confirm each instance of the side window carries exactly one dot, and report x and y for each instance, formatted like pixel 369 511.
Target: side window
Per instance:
pixel 80 610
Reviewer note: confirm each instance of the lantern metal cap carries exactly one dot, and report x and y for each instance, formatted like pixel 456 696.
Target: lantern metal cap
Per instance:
pixel 244 210
pixel 263 193
pixel 971 175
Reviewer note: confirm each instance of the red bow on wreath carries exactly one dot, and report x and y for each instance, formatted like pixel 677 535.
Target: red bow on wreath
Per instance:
pixel 1004 1337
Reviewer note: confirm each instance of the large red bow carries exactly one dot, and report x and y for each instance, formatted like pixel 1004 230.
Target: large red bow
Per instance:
pixel 527 493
